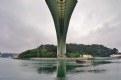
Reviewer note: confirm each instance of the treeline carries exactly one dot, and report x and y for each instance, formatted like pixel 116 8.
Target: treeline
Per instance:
pixel 44 51
pixel 94 50
pixel 73 50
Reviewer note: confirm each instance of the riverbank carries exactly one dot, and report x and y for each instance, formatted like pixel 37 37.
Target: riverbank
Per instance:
pixel 71 59
pixel 80 59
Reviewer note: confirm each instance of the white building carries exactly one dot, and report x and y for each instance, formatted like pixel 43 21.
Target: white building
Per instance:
pixel 86 56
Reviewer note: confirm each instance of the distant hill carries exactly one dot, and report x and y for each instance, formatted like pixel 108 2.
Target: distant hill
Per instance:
pixel 73 50
pixel 6 55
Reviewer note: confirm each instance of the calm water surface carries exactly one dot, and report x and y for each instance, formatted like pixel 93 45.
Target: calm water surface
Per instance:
pixel 11 69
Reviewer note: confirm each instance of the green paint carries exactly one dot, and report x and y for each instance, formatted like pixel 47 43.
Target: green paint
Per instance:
pixel 61 68
pixel 61 11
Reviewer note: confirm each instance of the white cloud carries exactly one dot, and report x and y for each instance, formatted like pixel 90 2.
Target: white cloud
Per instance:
pixel 25 24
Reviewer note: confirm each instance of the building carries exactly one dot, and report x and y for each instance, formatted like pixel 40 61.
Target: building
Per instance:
pixel 86 56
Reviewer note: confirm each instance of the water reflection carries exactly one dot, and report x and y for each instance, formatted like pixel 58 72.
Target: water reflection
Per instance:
pixel 96 63
pixel 62 68
pixel 98 70
pixel 60 78
pixel 47 70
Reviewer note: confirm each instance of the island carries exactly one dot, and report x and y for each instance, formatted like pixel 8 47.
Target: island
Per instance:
pixel 72 51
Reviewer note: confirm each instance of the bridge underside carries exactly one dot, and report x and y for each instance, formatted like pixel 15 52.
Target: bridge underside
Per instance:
pixel 61 11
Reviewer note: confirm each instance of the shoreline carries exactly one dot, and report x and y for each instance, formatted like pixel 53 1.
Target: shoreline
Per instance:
pixel 59 59
pixel 80 59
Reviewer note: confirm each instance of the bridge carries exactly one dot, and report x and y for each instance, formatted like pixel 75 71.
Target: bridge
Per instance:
pixel 61 11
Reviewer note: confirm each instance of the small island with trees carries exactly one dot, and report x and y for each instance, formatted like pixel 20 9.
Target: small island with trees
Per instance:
pixel 72 51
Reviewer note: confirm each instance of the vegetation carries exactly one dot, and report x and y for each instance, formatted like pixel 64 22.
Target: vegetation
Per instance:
pixel 73 50
pixel 42 51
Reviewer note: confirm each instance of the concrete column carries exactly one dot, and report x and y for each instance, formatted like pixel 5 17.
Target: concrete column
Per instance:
pixel 61 47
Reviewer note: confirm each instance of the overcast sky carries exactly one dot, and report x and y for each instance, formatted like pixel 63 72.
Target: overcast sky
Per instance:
pixel 26 24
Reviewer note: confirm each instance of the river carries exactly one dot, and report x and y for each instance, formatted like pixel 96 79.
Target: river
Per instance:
pixel 11 69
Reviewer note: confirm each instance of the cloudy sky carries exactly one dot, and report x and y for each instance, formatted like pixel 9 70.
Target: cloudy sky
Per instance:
pixel 25 24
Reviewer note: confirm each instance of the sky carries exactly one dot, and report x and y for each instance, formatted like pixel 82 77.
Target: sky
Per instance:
pixel 26 24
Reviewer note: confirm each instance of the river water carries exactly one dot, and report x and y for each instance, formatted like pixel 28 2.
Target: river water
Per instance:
pixel 11 69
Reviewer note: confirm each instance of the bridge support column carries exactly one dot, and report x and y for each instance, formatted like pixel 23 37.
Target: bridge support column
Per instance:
pixel 61 11
pixel 61 48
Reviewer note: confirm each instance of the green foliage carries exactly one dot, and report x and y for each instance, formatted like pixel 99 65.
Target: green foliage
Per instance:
pixel 94 50
pixel 73 55
pixel 44 51
pixel 28 54
pixel 73 50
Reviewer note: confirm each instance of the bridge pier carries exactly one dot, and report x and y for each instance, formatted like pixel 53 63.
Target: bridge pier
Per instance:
pixel 61 48
pixel 61 11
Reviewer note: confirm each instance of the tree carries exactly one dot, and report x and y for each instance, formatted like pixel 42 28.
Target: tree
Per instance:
pixel 73 50
pixel 114 51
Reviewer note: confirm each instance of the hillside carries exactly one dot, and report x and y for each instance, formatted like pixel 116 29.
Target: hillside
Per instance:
pixel 73 50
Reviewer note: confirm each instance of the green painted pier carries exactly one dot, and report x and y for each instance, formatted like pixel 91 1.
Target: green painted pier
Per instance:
pixel 61 11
